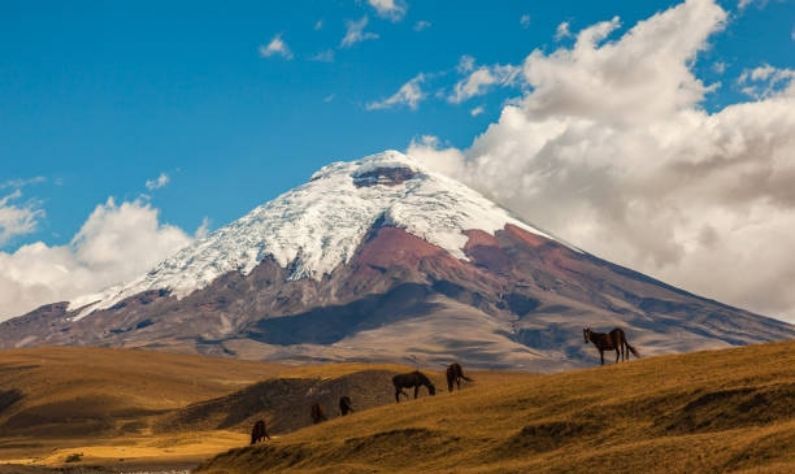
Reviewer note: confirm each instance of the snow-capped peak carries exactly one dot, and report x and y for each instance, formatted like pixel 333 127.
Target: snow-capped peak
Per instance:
pixel 319 225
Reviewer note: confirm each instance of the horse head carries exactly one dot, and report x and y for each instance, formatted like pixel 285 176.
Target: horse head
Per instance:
pixel 431 389
pixel 586 333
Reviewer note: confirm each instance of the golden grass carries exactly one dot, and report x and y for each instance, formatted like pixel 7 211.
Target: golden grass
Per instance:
pixel 106 403
pixel 719 411
pixel 161 449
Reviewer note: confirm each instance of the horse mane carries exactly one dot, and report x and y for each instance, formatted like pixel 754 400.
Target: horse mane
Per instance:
pixel 423 378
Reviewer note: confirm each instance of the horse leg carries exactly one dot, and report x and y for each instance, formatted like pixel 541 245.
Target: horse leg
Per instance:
pixel 416 391
pixel 397 395
pixel 602 356
pixel 458 382
pixel 618 354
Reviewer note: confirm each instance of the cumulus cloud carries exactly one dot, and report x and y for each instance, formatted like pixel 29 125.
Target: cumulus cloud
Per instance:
pixel 354 32
pixel 157 183
pixel 480 80
pixel 766 81
pixel 276 47
pixel 524 20
pixel 116 243
pixel 410 94
pixel 391 9
pixel 562 31
pixel 610 148
pixel 16 218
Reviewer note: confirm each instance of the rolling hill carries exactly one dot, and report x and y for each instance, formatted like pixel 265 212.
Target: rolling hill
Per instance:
pixel 713 411
pixel 716 411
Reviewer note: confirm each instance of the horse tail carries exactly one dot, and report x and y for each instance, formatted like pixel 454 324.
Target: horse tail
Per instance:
pixel 461 373
pixel 632 349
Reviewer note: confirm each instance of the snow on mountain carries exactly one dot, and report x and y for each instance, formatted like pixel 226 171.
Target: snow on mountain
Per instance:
pixel 317 226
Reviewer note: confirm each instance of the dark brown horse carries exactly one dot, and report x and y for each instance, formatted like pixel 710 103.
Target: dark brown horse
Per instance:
pixel 454 375
pixel 414 379
pixel 316 412
pixel 346 406
pixel 614 340
pixel 259 432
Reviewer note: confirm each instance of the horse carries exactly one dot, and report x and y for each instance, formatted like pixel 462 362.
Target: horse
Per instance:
pixel 414 379
pixel 346 406
pixel 454 375
pixel 316 412
pixel 259 432
pixel 614 340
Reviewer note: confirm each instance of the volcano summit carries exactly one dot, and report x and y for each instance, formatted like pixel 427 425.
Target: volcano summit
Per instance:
pixel 382 259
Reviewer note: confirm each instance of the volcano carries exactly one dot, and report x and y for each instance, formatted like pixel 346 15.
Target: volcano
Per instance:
pixel 382 259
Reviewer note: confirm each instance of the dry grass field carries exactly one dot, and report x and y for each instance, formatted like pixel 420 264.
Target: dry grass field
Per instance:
pixel 116 408
pixel 718 411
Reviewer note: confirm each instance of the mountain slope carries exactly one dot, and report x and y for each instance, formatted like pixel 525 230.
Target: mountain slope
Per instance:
pixel 384 260
pixel 714 411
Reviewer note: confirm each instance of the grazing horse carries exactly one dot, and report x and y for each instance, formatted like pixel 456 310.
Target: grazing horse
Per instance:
pixel 259 433
pixel 414 379
pixel 454 375
pixel 614 340
pixel 317 414
pixel 346 406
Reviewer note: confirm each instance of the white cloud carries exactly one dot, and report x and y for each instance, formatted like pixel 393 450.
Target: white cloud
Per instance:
pixel 743 4
pixel 611 149
pixel 157 183
pixel 354 32
pixel 719 67
pixel 329 98
pixel 410 94
pixel 391 9
pixel 562 31
pixel 204 229
pixel 326 56
pixel 422 25
pixel 276 47
pixel 477 111
pixel 524 20
pixel 766 81
pixel 319 24
pixel 115 244
pixel 17 219
pixel 465 64
pixel 480 80
pixel 21 183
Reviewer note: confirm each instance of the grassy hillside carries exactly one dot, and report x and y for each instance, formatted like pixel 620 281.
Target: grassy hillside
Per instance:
pixel 101 402
pixel 731 410
pixel 149 409
pixel 722 411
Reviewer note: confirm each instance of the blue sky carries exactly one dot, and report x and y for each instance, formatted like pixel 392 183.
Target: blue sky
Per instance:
pixel 99 97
